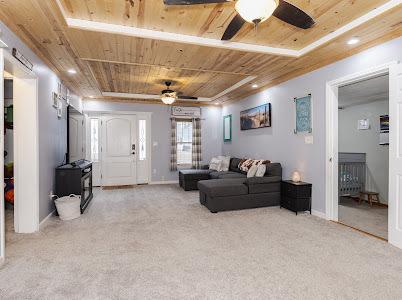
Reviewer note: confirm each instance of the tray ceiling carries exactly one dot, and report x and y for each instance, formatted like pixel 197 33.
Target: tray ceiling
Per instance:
pixel 108 62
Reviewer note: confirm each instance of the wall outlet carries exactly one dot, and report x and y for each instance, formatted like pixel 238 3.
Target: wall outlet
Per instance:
pixel 309 139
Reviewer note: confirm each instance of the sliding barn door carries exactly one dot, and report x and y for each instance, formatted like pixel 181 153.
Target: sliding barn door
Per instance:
pixel 118 150
pixel 395 157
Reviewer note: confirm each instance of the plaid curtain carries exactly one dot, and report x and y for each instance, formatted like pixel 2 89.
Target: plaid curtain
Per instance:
pixel 196 155
pixel 173 151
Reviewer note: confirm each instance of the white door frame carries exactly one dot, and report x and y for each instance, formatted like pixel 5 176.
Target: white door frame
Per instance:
pixel 140 116
pixel 26 147
pixel 331 184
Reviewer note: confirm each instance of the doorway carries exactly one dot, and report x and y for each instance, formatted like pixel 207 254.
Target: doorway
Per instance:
pixel 363 158
pixel 395 145
pixel 119 150
pixel 119 145
pixel 25 147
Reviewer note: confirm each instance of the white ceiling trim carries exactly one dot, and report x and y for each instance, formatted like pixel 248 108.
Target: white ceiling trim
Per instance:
pixel 175 37
pixel 146 96
pixel 355 23
pixel 234 87
pixel 201 41
pixel 200 99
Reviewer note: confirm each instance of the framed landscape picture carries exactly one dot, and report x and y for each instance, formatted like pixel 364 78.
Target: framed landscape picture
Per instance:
pixel 257 117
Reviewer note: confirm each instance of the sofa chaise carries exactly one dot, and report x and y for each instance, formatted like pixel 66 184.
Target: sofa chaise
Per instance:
pixel 232 190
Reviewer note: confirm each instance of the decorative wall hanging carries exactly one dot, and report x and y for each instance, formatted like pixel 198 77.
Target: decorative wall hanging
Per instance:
pixel 22 59
pixel 227 128
pixel 384 130
pixel 257 117
pixel 303 115
pixel 363 124
pixel 59 109
pixel 55 100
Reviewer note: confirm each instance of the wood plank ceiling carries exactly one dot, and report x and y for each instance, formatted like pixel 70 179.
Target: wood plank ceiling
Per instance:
pixel 117 63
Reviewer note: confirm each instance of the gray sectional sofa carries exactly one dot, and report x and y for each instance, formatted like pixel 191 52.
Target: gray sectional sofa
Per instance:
pixel 231 190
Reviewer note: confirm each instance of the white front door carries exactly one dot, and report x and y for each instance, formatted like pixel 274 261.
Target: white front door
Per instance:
pixel 395 157
pixel 118 150
pixel 76 137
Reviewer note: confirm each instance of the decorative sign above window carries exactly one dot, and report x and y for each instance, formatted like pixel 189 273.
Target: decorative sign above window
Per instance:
pixel 22 59
pixel 182 111
pixel 303 115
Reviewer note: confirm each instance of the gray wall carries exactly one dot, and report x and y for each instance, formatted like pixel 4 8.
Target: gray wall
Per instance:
pixel 52 131
pixel 211 132
pixel 367 141
pixel 278 143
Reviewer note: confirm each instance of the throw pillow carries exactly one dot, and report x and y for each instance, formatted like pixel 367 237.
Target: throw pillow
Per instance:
pixel 261 170
pixel 225 162
pixel 251 172
pixel 215 164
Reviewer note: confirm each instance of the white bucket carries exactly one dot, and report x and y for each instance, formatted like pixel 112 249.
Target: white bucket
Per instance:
pixel 68 207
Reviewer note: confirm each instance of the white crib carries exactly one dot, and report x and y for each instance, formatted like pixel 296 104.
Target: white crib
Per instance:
pixel 352 173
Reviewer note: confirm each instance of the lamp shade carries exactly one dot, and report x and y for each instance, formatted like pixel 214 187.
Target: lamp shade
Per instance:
pixel 296 176
pixel 256 11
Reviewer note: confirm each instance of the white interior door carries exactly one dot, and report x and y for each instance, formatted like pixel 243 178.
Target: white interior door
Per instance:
pixel 395 157
pixel 76 137
pixel 118 150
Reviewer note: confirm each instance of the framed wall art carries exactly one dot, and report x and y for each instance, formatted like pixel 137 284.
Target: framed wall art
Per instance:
pixel 227 128
pixel 303 109
pixel 257 117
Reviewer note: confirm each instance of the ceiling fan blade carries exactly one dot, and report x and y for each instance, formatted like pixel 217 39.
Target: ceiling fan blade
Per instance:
pixel 193 2
pixel 187 97
pixel 292 15
pixel 235 25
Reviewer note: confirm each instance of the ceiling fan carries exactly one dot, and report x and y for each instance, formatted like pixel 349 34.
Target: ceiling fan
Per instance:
pixel 169 96
pixel 255 12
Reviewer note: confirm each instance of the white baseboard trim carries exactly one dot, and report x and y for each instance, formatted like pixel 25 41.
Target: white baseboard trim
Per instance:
pixel 164 182
pixel 47 218
pixel 319 214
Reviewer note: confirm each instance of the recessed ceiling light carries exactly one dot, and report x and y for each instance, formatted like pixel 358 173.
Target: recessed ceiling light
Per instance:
pixel 254 86
pixel 216 103
pixel 72 71
pixel 91 96
pixel 353 41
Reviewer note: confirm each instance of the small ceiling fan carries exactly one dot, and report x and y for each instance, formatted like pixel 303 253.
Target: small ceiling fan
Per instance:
pixel 169 96
pixel 255 12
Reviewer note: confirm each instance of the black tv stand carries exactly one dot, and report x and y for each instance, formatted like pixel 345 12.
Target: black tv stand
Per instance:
pixel 75 178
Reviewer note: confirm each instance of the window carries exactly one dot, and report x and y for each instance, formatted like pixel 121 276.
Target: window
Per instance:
pixel 94 140
pixel 142 138
pixel 184 133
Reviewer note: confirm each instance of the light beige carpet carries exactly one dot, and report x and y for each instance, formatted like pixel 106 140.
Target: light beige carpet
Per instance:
pixel 157 242
pixel 372 219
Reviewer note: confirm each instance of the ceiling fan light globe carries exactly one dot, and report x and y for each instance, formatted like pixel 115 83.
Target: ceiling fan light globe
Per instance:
pixel 168 99
pixel 256 11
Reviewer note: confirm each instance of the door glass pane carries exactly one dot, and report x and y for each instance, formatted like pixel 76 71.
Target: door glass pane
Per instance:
pixel 94 139
pixel 142 134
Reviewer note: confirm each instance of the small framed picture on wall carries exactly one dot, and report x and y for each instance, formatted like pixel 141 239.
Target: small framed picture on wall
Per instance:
pixel 227 128
pixel 59 109
pixel 55 100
